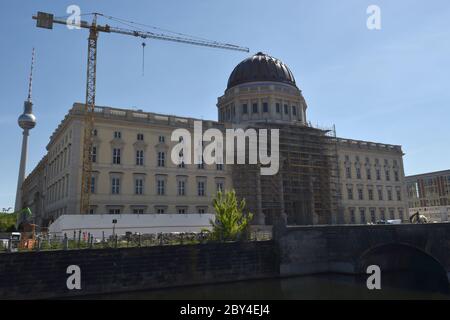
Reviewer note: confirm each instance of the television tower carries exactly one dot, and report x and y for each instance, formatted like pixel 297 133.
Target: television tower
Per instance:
pixel 26 121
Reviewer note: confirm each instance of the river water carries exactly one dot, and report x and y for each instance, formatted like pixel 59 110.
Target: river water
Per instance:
pixel 394 285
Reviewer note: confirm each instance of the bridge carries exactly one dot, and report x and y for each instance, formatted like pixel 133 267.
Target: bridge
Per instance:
pixel 351 248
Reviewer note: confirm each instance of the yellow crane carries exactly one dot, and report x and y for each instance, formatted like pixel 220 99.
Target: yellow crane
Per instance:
pixel 46 20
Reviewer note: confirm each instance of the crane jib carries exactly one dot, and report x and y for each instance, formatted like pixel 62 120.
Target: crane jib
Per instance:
pixel 46 20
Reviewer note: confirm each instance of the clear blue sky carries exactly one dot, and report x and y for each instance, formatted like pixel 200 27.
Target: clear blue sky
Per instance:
pixel 389 86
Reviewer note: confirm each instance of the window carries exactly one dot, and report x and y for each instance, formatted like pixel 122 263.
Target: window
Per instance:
pixel 114 211
pixel 181 211
pixel 201 188
pixel 362 213
pixel 117 134
pixel 161 139
pixel 181 156
pixel 265 107
pixel 389 195
pixel 352 216
pixel 400 213
pixel 399 195
pixel 382 215
pixel 181 188
pixel 139 157
pixel 219 166
pixel 348 173
pixel 370 194
pixel 388 175
pixel 358 173
pixel 278 108
pixel 350 193
pixel 115 183
pixel 160 187
pixel 201 210
pixel 255 108
pixel 294 110
pixel 140 137
pixel 372 215
pixel 369 174
pixel 139 186
pixel 244 108
pixel 360 194
pixel 138 211
pixel 92 184
pixel 391 214
pixel 94 154
pixel 161 158
pixel 378 174
pixel 380 194
pixel 396 177
pixel 219 186
pixel 286 109
pixel 160 210
pixel 94 133
pixel 116 156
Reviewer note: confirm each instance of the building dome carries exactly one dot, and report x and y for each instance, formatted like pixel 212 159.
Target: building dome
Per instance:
pixel 260 67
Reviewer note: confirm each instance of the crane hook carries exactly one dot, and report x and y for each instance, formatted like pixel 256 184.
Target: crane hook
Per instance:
pixel 143 57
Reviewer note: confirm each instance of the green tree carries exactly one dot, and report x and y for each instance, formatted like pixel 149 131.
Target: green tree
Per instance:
pixel 231 222
pixel 7 221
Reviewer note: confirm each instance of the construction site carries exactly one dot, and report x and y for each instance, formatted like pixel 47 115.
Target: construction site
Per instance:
pixel 306 187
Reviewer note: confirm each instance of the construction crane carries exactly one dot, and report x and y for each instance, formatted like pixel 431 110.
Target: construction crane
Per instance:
pixel 46 20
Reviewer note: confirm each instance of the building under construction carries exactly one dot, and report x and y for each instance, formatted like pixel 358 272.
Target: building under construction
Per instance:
pixel 321 179
pixel 306 187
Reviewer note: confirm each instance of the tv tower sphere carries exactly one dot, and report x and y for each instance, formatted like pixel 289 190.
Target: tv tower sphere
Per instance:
pixel 27 120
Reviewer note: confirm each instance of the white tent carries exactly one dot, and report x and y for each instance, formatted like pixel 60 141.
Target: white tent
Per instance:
pixel 97 224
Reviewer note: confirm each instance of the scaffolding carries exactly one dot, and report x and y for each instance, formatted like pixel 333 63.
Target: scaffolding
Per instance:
pixel 306 187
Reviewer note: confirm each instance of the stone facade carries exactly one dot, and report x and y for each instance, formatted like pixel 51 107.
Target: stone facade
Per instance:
pixel 132 168
pixel 372 181
pixel 260 102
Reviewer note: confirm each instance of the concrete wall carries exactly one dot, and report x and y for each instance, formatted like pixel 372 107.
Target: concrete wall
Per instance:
pixel 43 274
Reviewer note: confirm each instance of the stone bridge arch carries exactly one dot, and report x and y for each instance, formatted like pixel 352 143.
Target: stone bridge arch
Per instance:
pixel 348 248
pixel 422 269
pixel 396 256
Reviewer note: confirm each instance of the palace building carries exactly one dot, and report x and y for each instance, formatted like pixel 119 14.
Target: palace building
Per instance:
pixel 322 179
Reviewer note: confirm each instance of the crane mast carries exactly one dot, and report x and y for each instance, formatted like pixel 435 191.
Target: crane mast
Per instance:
pixel 89 107
pixel 46 20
